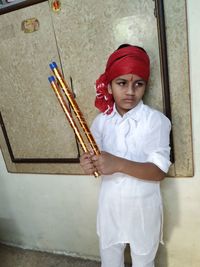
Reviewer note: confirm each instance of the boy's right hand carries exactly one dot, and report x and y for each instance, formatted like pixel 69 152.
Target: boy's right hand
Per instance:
pixel 87 163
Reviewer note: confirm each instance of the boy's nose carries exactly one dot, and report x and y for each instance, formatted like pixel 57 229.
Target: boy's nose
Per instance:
pixel 130 89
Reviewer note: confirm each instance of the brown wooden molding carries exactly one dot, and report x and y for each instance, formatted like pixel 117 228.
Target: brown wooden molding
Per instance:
pixel 162 42
pixel 17 5
pixel 32 160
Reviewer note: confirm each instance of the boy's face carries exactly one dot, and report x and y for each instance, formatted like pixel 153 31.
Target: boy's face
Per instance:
pixel 127 91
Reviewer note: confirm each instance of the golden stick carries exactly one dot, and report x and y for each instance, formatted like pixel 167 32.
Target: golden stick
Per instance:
pixel 67 112
pixel 76 110
pixel 75 107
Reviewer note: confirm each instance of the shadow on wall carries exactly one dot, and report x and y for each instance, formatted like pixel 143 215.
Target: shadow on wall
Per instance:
pixel 8 227
pixel 171 218
pixel 8 230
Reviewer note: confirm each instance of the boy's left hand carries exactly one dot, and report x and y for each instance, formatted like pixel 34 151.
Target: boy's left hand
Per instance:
pixel 106 163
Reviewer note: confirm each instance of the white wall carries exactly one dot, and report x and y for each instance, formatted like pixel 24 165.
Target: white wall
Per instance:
pixel 49 212
pixel 57 213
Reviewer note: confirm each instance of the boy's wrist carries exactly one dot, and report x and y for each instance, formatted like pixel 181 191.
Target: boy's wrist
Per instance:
pixel 120 164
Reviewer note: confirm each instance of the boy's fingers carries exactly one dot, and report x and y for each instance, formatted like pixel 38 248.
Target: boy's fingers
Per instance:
pixel 95 157
pixel 85 156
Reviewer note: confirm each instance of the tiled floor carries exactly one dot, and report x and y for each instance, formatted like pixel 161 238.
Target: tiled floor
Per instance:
pixel 16 257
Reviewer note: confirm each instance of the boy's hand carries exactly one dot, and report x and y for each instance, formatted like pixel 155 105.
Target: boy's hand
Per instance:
pixel 106 163
pixel 87 163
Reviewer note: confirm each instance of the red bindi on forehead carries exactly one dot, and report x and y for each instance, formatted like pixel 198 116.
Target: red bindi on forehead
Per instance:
pixel 132 78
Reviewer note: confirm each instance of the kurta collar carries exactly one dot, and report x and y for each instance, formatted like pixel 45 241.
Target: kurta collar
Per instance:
pixel 134 113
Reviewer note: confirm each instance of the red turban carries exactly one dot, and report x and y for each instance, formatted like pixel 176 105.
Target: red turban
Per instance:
pixel 126 60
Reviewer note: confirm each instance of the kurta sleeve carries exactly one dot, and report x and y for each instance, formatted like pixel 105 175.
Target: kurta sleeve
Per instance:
pixel 157 144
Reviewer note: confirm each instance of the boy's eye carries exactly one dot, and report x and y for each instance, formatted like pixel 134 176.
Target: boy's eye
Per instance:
pixel 139 84
pixel 121 83
pixel 136 84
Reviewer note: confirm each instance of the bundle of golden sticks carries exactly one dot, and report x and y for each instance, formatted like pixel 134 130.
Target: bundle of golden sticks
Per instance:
pixel 59 84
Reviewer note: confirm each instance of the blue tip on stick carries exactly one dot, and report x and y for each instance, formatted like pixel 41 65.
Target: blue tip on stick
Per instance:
pixel 51 79
pixel 53 65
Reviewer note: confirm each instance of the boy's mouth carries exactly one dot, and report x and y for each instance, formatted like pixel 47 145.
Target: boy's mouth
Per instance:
pixel 129 100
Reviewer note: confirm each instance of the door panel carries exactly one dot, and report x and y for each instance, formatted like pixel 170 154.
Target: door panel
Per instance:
pixel 79 38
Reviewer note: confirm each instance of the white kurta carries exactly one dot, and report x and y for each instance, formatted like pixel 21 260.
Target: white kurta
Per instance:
pixel 130 209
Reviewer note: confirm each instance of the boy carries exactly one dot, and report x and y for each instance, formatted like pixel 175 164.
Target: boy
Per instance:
pixel 134 143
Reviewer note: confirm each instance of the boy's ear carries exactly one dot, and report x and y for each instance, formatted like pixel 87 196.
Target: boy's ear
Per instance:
pixel 109 89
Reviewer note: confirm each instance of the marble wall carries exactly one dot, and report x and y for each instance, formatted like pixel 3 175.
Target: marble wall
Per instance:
pixel 79 38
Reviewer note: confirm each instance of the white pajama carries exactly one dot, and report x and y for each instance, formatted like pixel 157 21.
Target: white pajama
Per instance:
pixel 130 209
pixel 114 256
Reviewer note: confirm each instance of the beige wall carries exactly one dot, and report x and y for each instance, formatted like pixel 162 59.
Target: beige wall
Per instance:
pixel 57 213
pixel 182 195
